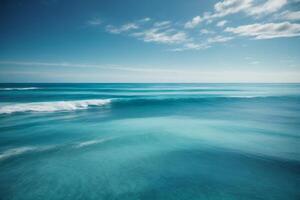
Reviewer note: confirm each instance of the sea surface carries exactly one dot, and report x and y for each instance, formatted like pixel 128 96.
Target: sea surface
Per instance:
pixel 149 141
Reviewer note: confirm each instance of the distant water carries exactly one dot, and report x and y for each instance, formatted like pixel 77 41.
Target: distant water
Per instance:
pixel 149 141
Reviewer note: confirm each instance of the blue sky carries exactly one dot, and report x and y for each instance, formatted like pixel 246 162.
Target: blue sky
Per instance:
pixel 150 41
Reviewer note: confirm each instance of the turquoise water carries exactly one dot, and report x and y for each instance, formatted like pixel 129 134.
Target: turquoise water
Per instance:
pixel 149 141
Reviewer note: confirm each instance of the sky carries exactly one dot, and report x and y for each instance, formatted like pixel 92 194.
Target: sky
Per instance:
pixel 150 41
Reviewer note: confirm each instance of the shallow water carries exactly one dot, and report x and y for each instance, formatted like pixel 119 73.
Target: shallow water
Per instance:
pixel 149 141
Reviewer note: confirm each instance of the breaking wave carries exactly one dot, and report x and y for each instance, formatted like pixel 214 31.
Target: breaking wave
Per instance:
pixel 52 106
pixel 27 88
pixel 85 104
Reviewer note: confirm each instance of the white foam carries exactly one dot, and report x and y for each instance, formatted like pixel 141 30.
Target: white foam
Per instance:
pixel 15 152
pixel 27 88
pixel 22 150
pixel 248 96
pixel 91 142
pixel 52 106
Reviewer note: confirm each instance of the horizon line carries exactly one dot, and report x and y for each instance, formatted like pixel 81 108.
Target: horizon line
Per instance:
pixel 149 82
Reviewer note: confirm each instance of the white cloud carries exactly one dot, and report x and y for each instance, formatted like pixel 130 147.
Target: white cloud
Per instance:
pixel 146 19
pixel 219 39
pixel 172 33
pixel 123 28
pixel 206 31
pixel 168 36
pixel 112 29
pixel 221 9
pixel 270 6
pixel 191 46
pixel 289 15
pixel 221 23
pixel 267 31
pixel 194 22
pixel 162 24
pixel 160 32
pixel 94 22
pixel 227 7
pixel 129 26
pixel 204 45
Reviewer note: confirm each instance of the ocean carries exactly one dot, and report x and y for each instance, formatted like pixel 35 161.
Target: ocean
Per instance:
pixel 149 141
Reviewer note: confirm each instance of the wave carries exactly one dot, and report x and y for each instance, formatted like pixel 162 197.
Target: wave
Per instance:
pixel 250 96
pixel 85 104
pixel 52 106
pixel 26 88
pixel 191 98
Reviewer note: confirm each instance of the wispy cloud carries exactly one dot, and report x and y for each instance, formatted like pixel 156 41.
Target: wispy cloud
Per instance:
pixel 206 31
pixel 168 36
pixel 289 15
pixel 146 19
pixel 229 7
pixel 162 24
pixel 221 9
pixel 194 22
pixel 191 46
pixel 123 28
pixel 183 37
pixel 219 39
pixel 204 44
pixel 84 65
pixel 94 22
pixel 162 32
pixel 50 64
pixel 130 26
pixel 250 7
pixel 221 23
pixel 267 31
pixel 270 6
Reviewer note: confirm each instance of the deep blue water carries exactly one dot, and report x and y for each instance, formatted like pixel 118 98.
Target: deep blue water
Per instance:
pixel 149 141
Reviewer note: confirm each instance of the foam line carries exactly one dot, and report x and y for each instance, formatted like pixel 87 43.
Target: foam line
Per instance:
pixel 27 88
pixel 91 142
pixel 52 106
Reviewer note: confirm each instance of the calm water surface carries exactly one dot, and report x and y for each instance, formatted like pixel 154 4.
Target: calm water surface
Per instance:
pixel 149 141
